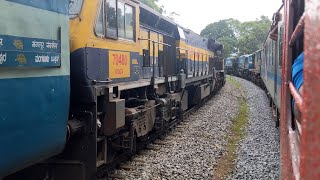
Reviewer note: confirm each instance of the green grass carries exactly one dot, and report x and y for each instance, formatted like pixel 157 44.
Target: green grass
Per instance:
pixel 235 83
pixel 238 127
pixel 237 132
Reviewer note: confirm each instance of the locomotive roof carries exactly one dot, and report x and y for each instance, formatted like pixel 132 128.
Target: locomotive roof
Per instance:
pixel 195 39
pixel 153 19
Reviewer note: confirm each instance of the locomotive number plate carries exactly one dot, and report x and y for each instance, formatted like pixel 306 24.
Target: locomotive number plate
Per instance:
pixel 119 64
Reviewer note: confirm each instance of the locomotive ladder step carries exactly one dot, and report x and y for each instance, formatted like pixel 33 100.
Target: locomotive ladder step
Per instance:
pixel 158 124
pixel 127 167
pixel 100 138
pixel 127 143
pixel 153 148
pixel 100 163
pixel 117 176
pixel 297 31
pixel 140 160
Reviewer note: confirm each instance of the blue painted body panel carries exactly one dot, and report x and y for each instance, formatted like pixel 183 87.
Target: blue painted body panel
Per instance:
pixel 34 98
pixel 271 77
pixel 58 6
pixel 33 120
pixel 272 82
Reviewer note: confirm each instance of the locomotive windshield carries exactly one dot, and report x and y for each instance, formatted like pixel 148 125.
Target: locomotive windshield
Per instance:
pixel 228 62
pixel 241 61
pixel 250 60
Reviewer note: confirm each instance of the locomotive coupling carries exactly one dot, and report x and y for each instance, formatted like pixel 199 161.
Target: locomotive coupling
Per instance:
pixel 74 127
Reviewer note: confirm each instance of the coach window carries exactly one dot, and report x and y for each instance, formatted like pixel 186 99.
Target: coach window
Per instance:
pixel 270 53
pixel 273 53
pixel 280 45
pixel 266 55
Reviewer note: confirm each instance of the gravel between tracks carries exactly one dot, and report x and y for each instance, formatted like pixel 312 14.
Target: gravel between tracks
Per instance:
pixel 259 151
pixel 192 150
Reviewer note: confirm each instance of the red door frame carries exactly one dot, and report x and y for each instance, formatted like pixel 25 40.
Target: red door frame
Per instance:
pixel 300 158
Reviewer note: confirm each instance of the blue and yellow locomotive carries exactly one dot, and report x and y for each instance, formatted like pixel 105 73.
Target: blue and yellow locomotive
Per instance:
pixel 78 94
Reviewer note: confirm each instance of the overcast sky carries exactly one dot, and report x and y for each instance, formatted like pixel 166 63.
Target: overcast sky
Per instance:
pixel 196 14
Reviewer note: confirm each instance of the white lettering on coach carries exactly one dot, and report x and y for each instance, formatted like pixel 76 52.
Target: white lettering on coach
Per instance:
pixel 37 44
pixel 41 59
pixel 52 45
pixel 55 59
pixel 3 58
pixel 1 40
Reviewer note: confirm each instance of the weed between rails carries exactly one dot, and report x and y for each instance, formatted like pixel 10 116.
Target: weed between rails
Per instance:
pixel 237 132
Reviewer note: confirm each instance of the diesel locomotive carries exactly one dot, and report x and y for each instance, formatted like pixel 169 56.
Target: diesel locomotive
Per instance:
pixel 85 82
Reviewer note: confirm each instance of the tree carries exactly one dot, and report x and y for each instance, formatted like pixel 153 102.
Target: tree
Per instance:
pixel 253 34
pixel 223 28
pixel 224 31
pixel 246 37
pixel 153 4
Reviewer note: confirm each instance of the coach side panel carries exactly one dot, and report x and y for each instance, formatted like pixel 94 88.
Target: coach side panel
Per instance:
pixel 34 81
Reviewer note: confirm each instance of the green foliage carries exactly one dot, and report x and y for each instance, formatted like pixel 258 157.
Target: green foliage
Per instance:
pixel 253 34
pixel 246 37
pixel 152 4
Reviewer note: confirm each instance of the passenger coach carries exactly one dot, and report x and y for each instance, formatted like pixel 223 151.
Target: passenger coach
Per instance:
pixel 34 81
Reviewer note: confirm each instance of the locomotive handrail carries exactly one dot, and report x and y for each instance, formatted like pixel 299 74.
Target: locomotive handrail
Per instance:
pixel 296 96
pixel 185 49
pixel 297 31
pixel 98 81
pixel 157 42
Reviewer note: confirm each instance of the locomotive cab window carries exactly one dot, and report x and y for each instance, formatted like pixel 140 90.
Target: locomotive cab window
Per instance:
pixel 116 20
pixel 111 18
pixel 99 24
